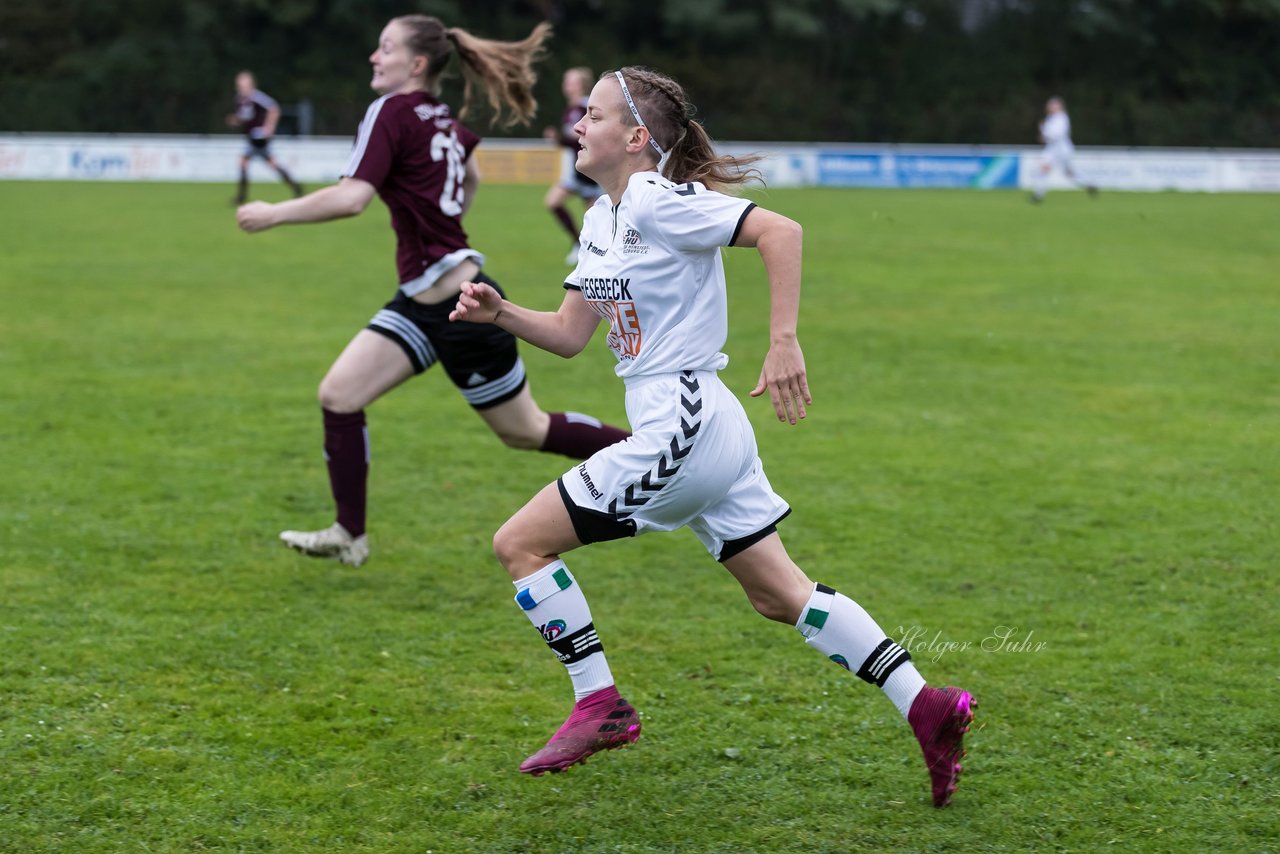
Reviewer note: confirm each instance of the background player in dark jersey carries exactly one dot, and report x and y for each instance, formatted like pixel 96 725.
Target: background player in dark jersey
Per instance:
pixel 576 84
pixel 417 157
pixel 256 114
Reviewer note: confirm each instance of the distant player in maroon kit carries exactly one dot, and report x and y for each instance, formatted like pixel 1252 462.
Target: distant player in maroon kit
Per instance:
pixel 576 84
pixel 256 114
pixel 413 153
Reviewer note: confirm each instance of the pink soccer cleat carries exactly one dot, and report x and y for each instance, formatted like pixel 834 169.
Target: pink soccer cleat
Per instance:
pixel 601 721
pixel 940 717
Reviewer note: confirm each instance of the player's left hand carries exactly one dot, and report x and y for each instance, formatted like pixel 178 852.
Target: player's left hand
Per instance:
pixel 255 216
pixel 783 375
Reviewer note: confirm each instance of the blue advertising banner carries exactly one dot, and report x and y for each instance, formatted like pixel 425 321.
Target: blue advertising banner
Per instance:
pixel 983 171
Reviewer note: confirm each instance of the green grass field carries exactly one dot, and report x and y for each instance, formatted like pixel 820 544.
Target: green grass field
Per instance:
pixel 1059 420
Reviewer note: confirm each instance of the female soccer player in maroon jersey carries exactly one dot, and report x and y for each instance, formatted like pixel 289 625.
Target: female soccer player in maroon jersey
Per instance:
pixel 412 152
pixel 575 85
pixel 256 114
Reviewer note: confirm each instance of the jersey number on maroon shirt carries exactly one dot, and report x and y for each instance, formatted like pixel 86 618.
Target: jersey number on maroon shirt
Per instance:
pixel 445 146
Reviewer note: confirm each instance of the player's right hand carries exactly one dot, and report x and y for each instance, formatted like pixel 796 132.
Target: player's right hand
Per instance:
pixel 255 216
pixel 478 303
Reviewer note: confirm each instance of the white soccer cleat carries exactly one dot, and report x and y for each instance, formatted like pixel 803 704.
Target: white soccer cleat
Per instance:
pixel 572 258
pixel 332 542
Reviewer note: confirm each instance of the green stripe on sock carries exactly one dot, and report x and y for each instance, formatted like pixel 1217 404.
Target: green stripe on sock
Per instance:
pixel 814 617
pixel 562 578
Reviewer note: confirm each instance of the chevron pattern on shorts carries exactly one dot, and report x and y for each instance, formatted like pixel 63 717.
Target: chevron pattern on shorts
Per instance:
pixel 642 491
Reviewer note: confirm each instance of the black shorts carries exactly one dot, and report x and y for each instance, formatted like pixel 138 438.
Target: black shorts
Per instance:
pixel 480 358
pixel 257 147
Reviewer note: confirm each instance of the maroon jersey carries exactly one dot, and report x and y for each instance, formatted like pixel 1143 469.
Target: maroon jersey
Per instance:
pixel 251 112
pixel 414 153
pixel 571 116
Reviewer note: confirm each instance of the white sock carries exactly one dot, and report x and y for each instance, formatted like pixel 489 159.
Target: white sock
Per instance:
pixel 554 603
pixel 1040 184
pixel 840 629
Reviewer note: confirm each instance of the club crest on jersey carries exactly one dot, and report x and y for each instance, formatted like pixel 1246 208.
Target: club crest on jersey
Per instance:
pixel 427 112
pixel 631 244
pixel 552 630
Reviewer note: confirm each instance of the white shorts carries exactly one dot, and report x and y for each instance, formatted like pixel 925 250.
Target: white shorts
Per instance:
pixel 691 460
pixel 1058 157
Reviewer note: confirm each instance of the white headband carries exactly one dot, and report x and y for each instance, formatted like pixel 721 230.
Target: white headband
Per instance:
pixel 626 93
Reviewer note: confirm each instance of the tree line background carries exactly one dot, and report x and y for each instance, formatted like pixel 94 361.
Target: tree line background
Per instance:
pixel 1133 72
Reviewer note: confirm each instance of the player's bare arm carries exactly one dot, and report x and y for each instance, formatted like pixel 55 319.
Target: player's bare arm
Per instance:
pixel 780 241
pixel 347 198
pixel 269 125
pixel 564 332
pixel 470 184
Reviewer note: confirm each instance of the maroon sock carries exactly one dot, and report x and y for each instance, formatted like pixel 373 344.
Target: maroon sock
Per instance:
pixel 346 451
pixel 566 219
pixel 579 436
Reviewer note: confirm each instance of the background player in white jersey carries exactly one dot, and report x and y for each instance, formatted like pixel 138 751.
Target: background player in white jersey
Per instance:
pixel 416 156
pixel 651 266
pixel 575 85
pixel 1059 153
pixel 256 114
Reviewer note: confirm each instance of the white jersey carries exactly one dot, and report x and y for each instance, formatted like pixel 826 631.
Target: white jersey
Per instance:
pixel 1056 130
pixel 651 267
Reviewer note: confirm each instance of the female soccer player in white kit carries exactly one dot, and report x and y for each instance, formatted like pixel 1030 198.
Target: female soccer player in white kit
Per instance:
pixel 1059 152
pixel 650 265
